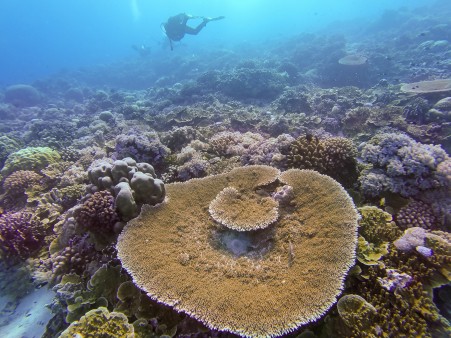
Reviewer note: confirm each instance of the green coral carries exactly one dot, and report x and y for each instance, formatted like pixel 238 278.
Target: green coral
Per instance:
pixel 377 226
pixel 101 291
pixel 7 146
pixel 100 323
pixel 31 158
pixel 369 253
pixel 376 230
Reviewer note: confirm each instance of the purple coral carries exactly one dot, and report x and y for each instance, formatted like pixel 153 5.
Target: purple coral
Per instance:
pixel 395 280
pixel 21 234
pixel 412 238
pixel 98 212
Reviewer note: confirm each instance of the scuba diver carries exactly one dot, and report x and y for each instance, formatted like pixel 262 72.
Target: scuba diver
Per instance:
pixel 175 28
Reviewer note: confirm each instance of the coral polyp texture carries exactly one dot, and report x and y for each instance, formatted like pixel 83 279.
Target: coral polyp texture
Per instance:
pixel 254 283
pixel 243 212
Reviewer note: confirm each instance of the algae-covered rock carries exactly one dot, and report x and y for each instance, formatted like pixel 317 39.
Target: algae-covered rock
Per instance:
pixel 31 158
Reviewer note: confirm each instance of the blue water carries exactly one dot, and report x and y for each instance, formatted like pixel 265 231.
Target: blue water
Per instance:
pixel 39 38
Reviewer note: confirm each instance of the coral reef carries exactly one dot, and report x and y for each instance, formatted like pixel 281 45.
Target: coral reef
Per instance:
pixel 143 146
pixel 259 282
pixel 97 213
pixel 20 180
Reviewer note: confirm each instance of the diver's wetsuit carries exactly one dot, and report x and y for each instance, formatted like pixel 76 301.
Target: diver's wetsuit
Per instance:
pixel 176 27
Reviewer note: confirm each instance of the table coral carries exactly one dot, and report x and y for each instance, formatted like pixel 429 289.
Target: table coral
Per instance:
pixel 290 276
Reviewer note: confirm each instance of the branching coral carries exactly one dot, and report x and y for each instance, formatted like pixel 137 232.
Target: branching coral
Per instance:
pixel 20 180
pixel 401 165
pixel 334 156
pixel 292 278
pixel 98 215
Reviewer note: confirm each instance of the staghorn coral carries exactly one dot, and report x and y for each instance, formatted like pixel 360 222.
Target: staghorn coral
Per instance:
pixel 171 253
pixel 19 181
pixel 21 234
pixel 401 165
pixel 31 158
pixel 100 323
pixel 416 214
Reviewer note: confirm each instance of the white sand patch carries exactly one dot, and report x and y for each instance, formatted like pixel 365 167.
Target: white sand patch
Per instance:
pixel 30 317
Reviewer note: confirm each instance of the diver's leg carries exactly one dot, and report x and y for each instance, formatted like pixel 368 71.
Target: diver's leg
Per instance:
pixel 195 31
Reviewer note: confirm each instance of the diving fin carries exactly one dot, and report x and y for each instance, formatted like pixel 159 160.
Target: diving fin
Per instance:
pixel 214 19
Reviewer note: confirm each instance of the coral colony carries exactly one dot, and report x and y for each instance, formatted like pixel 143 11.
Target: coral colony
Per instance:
pixel 303 192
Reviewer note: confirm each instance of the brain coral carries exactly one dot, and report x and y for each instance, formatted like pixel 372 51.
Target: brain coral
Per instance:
pixel 172 252
pixel 31 158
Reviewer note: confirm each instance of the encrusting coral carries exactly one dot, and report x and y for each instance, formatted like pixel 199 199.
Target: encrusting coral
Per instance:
pixel 31 158
pixel 100 323
pixel 293 276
